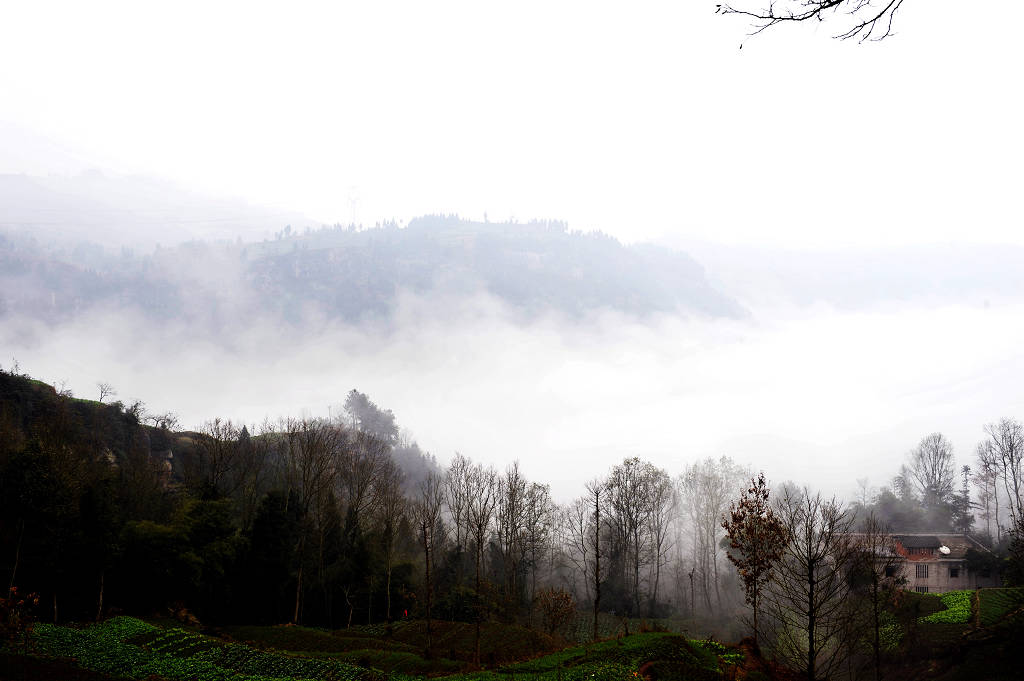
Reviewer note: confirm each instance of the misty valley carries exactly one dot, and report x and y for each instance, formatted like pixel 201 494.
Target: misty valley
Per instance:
pixel 533 341
pixel 337 547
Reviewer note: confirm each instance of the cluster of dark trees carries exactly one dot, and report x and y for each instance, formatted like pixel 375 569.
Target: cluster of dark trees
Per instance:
pixel 332 522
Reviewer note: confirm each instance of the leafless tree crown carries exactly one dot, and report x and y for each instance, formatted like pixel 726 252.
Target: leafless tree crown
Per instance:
pixel 865 19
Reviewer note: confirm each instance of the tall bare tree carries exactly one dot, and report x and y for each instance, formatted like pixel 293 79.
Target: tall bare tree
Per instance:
pixel 390 506
pixel 1006 439
pixel 809 596
pixel 877 577
pixel 987 480
pixel 583 524
pixel 483 498
pixel 510 517
pixel 597 501
pixel 538 520
pixel 664 503
pixel 931 470
pixel 706 489
pixel 629 500
pixel 106 390
pixel 457 498
pixel 427 512
pixel 213 473
pixel 311 452
pixel 575 528
pixel 255 471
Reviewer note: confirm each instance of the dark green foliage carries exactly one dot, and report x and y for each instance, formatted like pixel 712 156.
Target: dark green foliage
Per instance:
pixel 269 560
pixel 912 606
pixel 995 604
pixel 21 667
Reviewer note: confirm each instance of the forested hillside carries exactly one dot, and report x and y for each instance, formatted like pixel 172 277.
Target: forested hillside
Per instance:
pixel 106 509
pixel 353 275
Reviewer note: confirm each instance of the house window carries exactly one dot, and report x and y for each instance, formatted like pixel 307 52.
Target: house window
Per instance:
pixel 890 570
pixel 921 589
pixel 922 571
pixel 954 572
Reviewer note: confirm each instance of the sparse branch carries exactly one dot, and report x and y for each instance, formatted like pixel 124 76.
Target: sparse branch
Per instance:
pixel 106 390
pixel 870 19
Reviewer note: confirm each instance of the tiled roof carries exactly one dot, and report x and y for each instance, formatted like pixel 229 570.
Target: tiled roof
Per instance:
pixel 956 543
pixel 918 541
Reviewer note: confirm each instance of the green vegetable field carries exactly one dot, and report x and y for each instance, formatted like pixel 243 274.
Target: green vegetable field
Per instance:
pixel 125 647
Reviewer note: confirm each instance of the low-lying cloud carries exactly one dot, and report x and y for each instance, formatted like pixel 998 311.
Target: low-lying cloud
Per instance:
pixel 816 395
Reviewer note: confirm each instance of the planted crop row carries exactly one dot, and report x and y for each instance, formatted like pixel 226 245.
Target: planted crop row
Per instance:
pixel 993 604
pixel 180 655
pixel 958 608
pixel 676 655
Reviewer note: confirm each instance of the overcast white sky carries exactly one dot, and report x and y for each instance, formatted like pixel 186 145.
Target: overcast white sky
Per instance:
pixel 640 119
pixel 644 120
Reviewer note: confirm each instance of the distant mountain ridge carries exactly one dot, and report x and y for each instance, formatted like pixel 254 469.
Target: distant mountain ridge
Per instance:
pixel 356 275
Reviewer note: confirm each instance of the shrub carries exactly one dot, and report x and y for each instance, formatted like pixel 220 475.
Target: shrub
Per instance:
pixel 17 615
pixel 557 609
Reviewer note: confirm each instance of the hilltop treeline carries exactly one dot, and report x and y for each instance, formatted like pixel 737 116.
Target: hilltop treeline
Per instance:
pixel 349 274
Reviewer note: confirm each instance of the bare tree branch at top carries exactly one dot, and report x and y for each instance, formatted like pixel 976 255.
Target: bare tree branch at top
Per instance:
pixel 868 19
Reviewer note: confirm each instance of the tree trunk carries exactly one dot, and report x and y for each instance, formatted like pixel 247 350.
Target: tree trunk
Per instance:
pixel 597 564
pixel 636 575
pixel 753 604
pixel 99 608
pixel 693 596
pixel 714 564
pixel 426 561
pixel 878 626
pixel 657 578
pixel 351 609
pixel 476 635
pixel 387 594
pixel 812 617
pixel 298 595
pixel 17 554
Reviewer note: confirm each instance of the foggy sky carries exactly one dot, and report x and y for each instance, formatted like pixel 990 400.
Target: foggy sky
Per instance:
pixel 643 121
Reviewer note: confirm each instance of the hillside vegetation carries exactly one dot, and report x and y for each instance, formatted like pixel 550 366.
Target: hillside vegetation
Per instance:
pixel 355 275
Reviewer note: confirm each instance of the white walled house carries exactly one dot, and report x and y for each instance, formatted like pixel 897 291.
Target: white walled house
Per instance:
pixel 935 563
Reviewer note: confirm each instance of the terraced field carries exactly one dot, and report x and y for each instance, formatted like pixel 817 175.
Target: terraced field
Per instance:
pixel 958 608
pixel 994 604
pixel 128 648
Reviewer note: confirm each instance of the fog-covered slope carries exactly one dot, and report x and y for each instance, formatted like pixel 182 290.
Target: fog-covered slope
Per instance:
pixel 356 275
